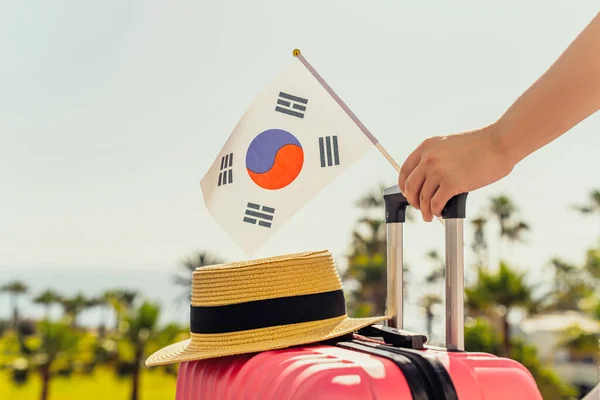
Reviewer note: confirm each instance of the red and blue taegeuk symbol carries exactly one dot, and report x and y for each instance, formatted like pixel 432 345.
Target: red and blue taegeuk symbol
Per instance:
pixel 274 159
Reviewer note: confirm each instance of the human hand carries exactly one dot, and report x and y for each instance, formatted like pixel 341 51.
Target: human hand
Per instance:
pixel 444 166
pixel 566 94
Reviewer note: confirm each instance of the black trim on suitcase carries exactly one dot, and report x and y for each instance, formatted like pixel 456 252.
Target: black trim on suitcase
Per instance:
pixel 414 377
pixel 425 374
pixel 440 379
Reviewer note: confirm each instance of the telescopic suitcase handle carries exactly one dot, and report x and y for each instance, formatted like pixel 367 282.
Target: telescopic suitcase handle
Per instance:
pixel 453 214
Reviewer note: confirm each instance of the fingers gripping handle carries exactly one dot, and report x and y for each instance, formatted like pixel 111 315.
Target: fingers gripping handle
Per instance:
pixel 454 213
pixel 396 205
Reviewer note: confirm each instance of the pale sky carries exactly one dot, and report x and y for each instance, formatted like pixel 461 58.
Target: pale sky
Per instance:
pixel 111 112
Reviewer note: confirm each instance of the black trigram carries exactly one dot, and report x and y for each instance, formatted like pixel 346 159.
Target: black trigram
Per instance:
pixel 254 213
pixel 291 105
pixel 328 149
pixel 226 174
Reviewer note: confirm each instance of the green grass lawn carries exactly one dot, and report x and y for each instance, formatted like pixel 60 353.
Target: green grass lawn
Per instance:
pixel 101 385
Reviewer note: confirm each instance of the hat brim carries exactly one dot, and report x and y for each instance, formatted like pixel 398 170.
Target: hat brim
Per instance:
pixel 200 347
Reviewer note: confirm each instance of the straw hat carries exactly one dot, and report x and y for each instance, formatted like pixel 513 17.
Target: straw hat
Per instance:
pixel 264 304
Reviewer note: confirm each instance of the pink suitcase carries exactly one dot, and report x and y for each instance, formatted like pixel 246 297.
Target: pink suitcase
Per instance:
pixel 378 362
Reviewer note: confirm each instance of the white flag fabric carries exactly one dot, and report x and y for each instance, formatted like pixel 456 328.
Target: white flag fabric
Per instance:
pixel 292 141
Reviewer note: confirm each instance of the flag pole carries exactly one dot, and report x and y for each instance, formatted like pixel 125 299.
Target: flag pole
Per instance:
pixel 352 116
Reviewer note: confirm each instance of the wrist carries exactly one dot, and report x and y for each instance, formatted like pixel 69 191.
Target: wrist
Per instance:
pixel 506 144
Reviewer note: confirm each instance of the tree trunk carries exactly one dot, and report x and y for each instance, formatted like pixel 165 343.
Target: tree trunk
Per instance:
pixel 118 319
pixel 102 326
pixel 506 329
pixel 429 323
pixel 15 310
pixel 47 313
pixel 136 374
pixel 74 320
pixel 45 375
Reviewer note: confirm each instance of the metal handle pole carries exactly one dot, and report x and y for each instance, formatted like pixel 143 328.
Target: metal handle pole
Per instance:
pixel 455 337
pixel 395 278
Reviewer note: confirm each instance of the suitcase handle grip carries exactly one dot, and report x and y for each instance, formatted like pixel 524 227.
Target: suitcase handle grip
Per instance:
pixel 453 213
pixel 396 205
pixel 456 207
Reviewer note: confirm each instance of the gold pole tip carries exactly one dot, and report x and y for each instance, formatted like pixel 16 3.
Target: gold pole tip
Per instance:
pixel 296 52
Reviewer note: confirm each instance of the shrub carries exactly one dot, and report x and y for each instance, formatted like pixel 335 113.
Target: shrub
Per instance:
pixel 481 337
pixel 550 384
pixel 20 371
pixel 26 328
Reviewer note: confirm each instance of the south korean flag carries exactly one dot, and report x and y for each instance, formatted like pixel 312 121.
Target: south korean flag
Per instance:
pixel 294 139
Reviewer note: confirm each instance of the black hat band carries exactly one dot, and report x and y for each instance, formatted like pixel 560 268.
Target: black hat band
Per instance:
pixel 267 313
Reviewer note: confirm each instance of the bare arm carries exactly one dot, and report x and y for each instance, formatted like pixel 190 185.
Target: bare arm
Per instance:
pixel 567 93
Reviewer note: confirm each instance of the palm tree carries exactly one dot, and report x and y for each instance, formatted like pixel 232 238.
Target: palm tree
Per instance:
pixel 438 273
pixel 367 260
pixel 503 208
pixel 369 270
pixel 98 301
pixel 593 205
pixel 428 302
pixel 104 301
pixel 73 306
pixel 47 299
pixel 592 264
pixel 56 341
pixel 569 286
pixel 142 326
pixel 370 237
pixel 189 264
pixel 122 302
pixel 505 289
pixel 479 245
pixel 563 273
pixel 15 289
pixel 515 231
pixel 372 200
